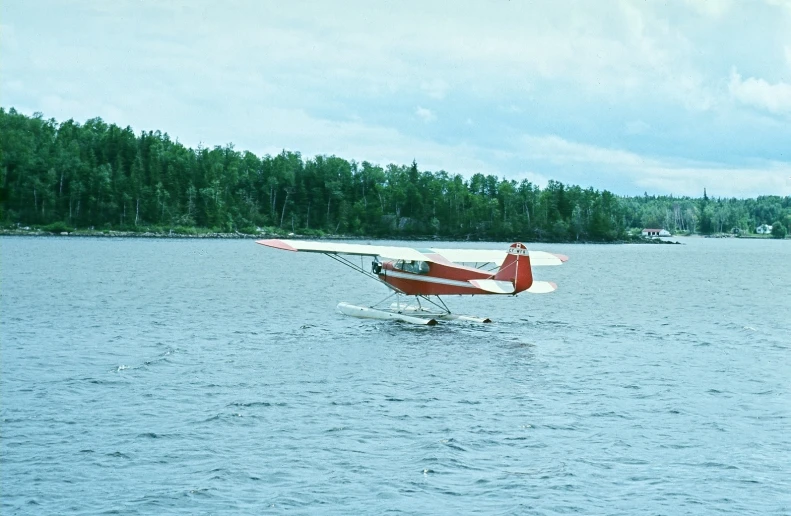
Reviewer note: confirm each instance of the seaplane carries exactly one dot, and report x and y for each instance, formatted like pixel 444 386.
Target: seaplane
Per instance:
pixel 428 273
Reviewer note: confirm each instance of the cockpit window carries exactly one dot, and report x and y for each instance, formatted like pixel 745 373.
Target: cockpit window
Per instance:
pixel 412 266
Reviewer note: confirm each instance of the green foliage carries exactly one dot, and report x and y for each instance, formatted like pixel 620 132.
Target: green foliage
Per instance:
pixel 181 230
pixel 97 175
pixel 779 230
pixel 249 230
pixel 58 228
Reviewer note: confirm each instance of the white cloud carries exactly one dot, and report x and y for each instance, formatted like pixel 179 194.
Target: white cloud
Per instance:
pixel 775 98
pixel 354 139
pixel 664 175
pixel 353 79
pixel 555 149
pixel 488 49
pixel 55 106
pixel 425 114
pixel 493 51
pixel 720 181
pixel 537 179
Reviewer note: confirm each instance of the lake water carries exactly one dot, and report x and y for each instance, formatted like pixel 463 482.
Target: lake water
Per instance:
pixel 206 376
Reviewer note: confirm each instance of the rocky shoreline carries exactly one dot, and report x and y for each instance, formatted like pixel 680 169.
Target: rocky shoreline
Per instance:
pixel 36 232
pixel 126 234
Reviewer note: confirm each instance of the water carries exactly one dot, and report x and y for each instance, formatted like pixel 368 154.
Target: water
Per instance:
pixel 193 376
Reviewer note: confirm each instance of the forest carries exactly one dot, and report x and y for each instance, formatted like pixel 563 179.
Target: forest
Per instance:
pixel 102 176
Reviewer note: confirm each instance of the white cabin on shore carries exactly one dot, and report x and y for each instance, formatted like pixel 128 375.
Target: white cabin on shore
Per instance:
pixel 763 229
pixel 648 232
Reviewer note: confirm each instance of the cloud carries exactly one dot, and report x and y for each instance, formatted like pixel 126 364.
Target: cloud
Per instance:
pixel 662 174
pixel 555 149
pixel 626 95
pixel 425 114
pixel 355 139
pixel 720 181
pixel 775 98
pixel 60 108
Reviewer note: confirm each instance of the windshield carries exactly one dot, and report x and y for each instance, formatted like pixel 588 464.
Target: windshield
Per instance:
pixel 412 266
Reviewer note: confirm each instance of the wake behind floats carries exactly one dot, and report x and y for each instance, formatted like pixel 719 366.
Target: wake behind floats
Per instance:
pixel 430 272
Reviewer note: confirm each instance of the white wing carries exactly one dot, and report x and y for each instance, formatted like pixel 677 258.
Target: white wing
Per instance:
pixel 537 258
pixel 390 252
pixel 472 255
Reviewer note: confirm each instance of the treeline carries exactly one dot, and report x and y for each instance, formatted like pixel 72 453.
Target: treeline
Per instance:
pixel 708 216
pixel 107 177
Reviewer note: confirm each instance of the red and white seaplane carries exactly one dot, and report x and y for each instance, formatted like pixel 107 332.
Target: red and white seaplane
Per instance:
pixel 430 272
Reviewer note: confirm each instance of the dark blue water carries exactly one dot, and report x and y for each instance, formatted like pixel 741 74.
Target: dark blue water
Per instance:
pixel 192 376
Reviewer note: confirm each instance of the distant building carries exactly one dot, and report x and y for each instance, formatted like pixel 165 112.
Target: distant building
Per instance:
pixel 656 233
pixel 763 229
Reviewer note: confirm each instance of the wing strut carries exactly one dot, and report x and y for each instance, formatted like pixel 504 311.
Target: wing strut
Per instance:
pixel 360 269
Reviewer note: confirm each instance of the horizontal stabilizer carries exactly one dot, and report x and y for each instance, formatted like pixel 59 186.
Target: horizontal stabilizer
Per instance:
pixel 494 286
pixel 542 287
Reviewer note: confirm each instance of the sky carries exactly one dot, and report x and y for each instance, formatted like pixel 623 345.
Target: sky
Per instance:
pixel 665 97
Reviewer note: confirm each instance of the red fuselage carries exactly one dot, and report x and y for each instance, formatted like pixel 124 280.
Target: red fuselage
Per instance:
pixel 436 278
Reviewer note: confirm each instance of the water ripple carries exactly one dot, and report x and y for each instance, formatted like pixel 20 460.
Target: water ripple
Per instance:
pixel 148 377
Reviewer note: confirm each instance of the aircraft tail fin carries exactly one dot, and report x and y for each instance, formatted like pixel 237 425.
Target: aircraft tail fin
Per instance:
pixel 516 268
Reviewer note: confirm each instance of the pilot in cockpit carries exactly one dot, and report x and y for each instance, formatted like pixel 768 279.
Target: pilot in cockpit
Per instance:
pixel 416 267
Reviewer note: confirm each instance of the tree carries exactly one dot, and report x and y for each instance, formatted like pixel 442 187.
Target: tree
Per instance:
pixel 778 230
pixel 705 214
pixel 101 175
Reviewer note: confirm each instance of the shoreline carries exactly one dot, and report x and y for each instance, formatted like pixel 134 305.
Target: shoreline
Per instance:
pixel 263 235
